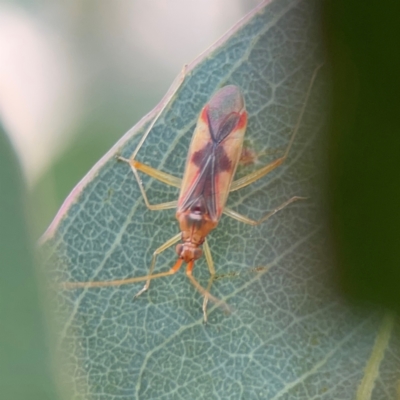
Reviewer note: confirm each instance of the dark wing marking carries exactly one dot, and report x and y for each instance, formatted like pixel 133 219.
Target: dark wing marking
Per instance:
pixel 222 161
pixel 200 198
pixel 212 159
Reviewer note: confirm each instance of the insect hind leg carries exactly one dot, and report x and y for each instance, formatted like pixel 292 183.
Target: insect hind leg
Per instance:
pixel 259 173
pixel 246 220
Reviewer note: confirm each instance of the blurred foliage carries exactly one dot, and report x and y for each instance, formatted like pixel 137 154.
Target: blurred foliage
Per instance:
pixel 97 132
pixel 24 348
pixel 363 44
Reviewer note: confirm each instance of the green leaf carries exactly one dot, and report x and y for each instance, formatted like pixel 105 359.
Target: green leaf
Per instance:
pixel 24 350
pixel 289 334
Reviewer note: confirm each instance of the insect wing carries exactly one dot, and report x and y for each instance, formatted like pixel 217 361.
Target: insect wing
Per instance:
pixel 214 154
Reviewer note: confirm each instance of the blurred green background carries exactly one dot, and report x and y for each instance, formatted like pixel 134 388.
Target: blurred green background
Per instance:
pixel 25 367
pixel 364 149
pixel 74 76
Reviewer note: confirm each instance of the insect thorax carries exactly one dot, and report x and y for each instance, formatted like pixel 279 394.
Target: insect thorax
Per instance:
pixel 195 226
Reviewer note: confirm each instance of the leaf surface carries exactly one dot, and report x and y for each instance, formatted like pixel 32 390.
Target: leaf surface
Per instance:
pixel 289 335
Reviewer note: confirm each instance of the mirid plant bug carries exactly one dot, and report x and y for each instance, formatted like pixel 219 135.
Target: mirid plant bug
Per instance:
pixel 213 156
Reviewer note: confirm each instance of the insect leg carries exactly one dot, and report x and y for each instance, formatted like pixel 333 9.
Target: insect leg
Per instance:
pixel 204 292
pixel 172 271
pixel 246 220
pixel 154 173
pixel 254 176
pixel 174 88
pixel 119 282
pixel 160 206
pixel 211 269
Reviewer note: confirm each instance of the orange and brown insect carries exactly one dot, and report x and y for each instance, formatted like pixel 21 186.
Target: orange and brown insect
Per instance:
pixel 213 157
pixel 211 164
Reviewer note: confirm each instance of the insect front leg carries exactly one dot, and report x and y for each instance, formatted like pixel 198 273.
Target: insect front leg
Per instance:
pixel 158 251
pixel 211 269
pixel 204 292
pixel 119 282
